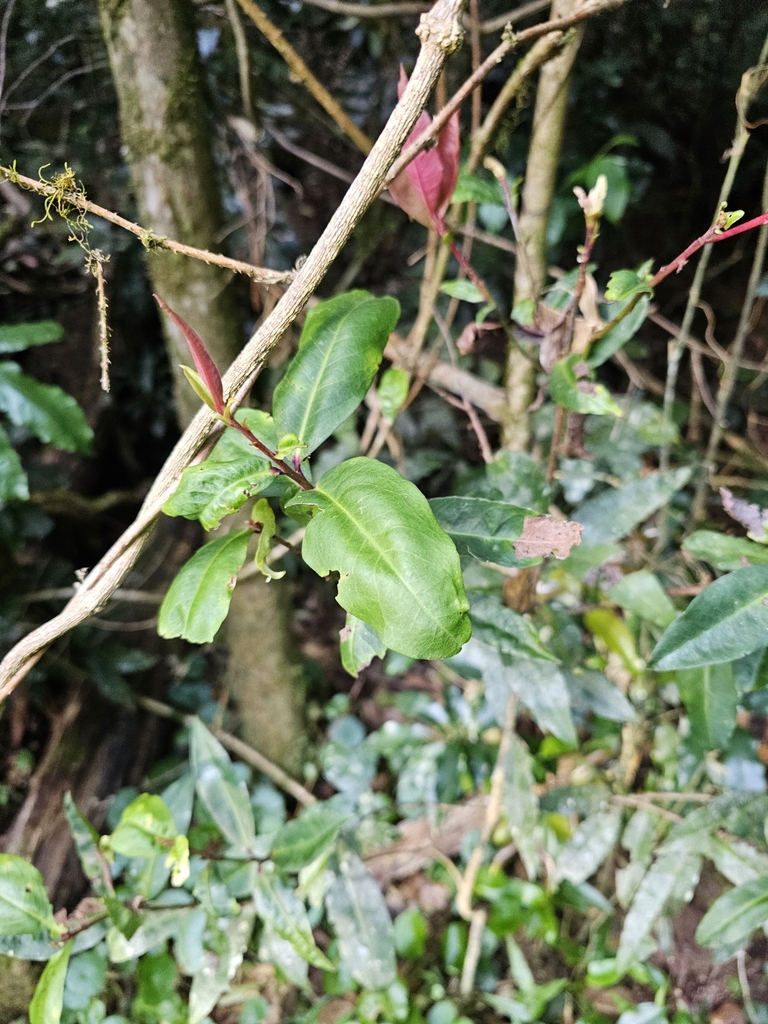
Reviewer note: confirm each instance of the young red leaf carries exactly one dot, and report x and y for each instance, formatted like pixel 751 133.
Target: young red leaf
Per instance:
pixel 205 365
pixel 425 187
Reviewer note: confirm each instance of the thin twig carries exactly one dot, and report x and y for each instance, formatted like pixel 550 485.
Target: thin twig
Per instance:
pixel 730 371
pixel 746 995
pixel 238 747
pixel 300 70
pixel 243 61
pixel 4 40
pixel 76 200
pixel 98 260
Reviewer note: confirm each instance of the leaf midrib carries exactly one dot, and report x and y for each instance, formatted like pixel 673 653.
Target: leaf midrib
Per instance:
pixel 195 604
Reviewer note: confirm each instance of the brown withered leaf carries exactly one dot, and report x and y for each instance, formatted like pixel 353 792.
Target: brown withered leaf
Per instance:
pixel 520 590
pixel 544 535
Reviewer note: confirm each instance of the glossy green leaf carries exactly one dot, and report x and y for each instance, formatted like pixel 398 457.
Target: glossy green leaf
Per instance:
pixel 517 478
pixel 734 916
pixel 668 874
pixel 504 629
pixel 624 283
pixel 233 472
pixel 521 804
pixel 86 843
pixel 398 570
pixel 197 601
pixel 641 593
pixel 724 552
pixel 279 906
pixel 616 635
pixel 462 289
pixel 263 515
pixel 360 644
pixel 146 828
pixel 393 391
pixel 339 353
pixel 48 1000
pixel 13 479
pixel 539 685
pixel 303 840
pixel 275 950
pixel 18 337
pixel 45 410
pixel 615 513
pixel 710 698
pixel 156 926
pixel 589 846
pixel 24 905
pixel 359 915
pixel 410 933
pixel 224 797
pixel 483 529
pixel 726 621
pixel 575 390
pixel 622 332
pixel 220 962
pixel 592 691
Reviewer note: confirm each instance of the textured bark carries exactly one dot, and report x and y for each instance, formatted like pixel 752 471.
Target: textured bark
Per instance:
pixel 538 189
pixel 163 122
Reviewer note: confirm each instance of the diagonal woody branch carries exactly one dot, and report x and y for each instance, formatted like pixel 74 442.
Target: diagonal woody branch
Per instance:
pixel 441 34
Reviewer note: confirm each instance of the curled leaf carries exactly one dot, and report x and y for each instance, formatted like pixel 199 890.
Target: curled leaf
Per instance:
pixel 263 514
pixel 205 366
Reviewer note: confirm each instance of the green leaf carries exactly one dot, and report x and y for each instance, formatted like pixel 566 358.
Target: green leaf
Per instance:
pixel 667 875
pixel 462 289
pixel 726 621
pixel 146 828
pixel 591 843
pixel 43 409
pixel 521 804
pixel 360 644
pixel 303 840
pixel 622 284
pixel 17 337
pixel 472 189
pixel 262 514
pixel 157 926
pixel 13 479
pixel 85 979
pixel 734 916
pixel 539 685
pixel 483 529
pixel 86 843
pixel 410 933
pixel 399 571
pixel 622 332
pixel 504 629
pixel 641 593
pixel 710 698
pixel 592 691
pixel 572 387
pixel 233 472
pixel 615 513
pixel 516 478
pixel 359 915
pixel 339 353
pixel 724 552
pixel 279 906
pixel 224 797
pixel 48 1000
pixel 275 950
pixel 24 905
pixel 393 391
pixel 197 601
pixel 229 942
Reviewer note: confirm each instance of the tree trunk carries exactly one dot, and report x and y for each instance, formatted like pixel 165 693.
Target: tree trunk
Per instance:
pixel 538 189
pixel 164 124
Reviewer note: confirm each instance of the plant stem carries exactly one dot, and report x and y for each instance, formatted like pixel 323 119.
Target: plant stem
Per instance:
pixel 731 369
pixel 280 466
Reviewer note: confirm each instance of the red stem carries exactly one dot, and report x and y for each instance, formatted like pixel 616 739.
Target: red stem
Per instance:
pixel 298 478
pixel 710 236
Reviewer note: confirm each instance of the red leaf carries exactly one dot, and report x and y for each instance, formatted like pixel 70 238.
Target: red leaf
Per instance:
pixel 204 364
pixel 425 187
